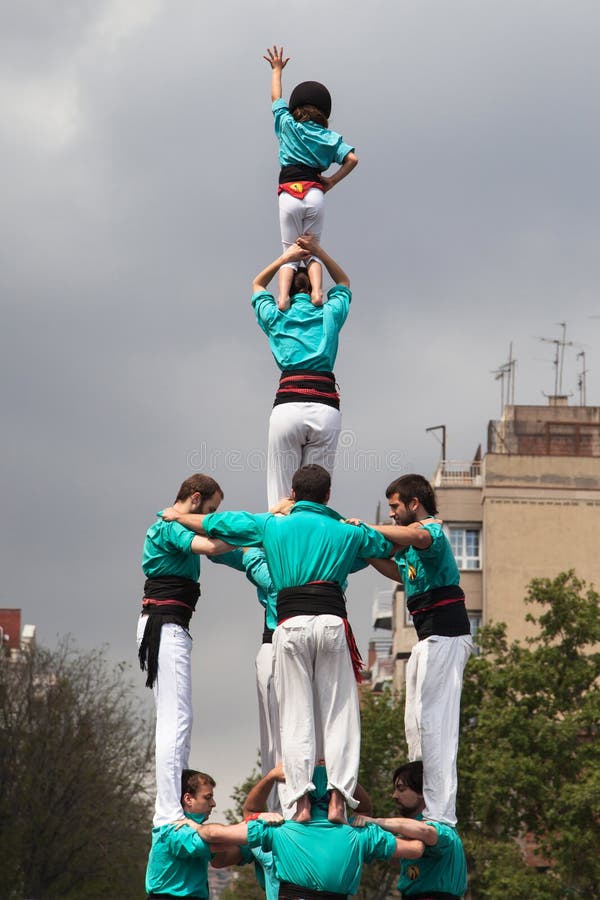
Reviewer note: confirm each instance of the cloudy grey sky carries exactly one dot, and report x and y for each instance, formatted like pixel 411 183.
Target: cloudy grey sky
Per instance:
pixel 139 168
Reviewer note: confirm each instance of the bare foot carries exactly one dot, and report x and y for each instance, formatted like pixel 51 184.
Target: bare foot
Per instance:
pixel 316 298
pixel 283 304
pixel 302 810
pixel 337 808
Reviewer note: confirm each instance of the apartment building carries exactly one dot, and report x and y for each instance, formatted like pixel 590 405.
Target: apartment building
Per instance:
pixel 528 507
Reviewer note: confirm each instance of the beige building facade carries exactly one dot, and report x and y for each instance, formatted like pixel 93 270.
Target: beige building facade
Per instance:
pixel 529 508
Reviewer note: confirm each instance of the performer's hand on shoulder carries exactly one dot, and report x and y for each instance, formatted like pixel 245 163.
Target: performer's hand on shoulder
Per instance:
pixel 283 507
pixel 170 514
pixel 353 522
pixel 272 818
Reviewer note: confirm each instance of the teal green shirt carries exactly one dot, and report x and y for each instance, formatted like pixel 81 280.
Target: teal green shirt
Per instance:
pixel 168 551
pixel 178 861
pixel 423 570
pixel 303 336
pixel 253 562
pixel 306 142
pixel 441 868
pixel 320 855
pixel 311 544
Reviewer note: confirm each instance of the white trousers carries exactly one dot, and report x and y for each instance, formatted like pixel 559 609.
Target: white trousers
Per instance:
pixel 268 719
pixel 434 674
pixel 296 217
pixel 317 693
pixel 299 434
pixel 173 700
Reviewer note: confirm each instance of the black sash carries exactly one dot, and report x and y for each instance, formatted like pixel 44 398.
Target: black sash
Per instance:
pixel 289 891
pixel 439 611
pixel 305 386
pixel 298 172
pixel 168 598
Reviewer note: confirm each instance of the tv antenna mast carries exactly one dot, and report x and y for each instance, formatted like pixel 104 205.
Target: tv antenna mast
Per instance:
pixel 581 379
pixel 559 356
pixel 505 374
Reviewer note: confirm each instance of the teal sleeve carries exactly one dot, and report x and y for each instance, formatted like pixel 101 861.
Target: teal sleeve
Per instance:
pixel 178 536
pixel 265 310
pixel 186 842
pixel 247 856
pixel 242 529
pixel 260 834
pixel 257 570
pixel 342 151
pixel 233 559
pixel 280 113
pixel 374 545
pixel 338 303
pixel 380 844
pixel 438 542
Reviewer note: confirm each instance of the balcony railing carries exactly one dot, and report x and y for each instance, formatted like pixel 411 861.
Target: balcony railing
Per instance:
pixel 457 473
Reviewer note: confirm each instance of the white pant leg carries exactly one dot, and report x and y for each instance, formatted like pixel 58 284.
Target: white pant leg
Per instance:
pixel 323 430
pixel 412 707
pixel 268 719
pixel 293 649
pixel 338 708
pixel 297 216
pixel 173 700
pixel 439 684
pixel 287 436
pixel 299 434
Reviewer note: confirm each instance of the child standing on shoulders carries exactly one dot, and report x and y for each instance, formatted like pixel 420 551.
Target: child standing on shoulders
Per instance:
pixel 306 149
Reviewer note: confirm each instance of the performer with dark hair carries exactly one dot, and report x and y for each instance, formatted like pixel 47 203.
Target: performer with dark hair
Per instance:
pixel 310 554
pixel 426 566
pixel 305 420
pixel 171 564
pixel 440 871
pixel 307 148
pixel 317 860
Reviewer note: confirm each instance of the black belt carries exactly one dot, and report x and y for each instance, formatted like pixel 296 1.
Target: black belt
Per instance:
pixel 319 598
pixel 439 611
pixel 431 895
pixel 166 599
pixel 289 891
pixel 305 386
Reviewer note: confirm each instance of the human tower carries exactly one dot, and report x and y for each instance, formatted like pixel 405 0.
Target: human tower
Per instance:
pixel 299 556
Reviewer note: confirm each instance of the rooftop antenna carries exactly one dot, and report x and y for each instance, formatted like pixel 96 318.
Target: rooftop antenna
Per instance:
pixel 441 428
pixel 559 356
pixel 506 372
pixel 581 379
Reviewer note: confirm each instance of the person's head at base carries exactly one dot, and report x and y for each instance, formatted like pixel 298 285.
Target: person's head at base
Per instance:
pixel 312 483
pixel 410 498
pixel 408 789
pixel 197 792
pixel 201 492
pixel 300 282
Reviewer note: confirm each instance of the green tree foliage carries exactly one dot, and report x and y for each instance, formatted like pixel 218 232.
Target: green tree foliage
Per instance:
pixel 383 748
pixel 74 759
pixel 529 751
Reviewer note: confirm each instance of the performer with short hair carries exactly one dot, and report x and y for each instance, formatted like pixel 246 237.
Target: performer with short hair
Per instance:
pixel 426 566
pixel 310 554
pixel 171 563
pixel 307 148
pixel 305 420
pixel 179 857
pixel 318 860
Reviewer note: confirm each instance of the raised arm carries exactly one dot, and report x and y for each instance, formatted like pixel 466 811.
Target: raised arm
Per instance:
pixel 278 63
pixel 256 801
pixel 338 276
pixel 350 162
pixel 386 567
pixel 409 829
pixel 414 535
pixel 293 254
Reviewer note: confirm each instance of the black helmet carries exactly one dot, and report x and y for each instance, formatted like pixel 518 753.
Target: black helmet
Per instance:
pixel 311 93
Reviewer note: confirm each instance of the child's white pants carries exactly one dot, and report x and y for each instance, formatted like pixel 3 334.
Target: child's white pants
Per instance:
pixel 296 217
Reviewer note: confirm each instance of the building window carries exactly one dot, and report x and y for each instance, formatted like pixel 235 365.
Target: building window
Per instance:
pixel 466 546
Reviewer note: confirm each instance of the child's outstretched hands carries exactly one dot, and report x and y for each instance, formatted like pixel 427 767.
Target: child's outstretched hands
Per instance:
pixel 275 58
